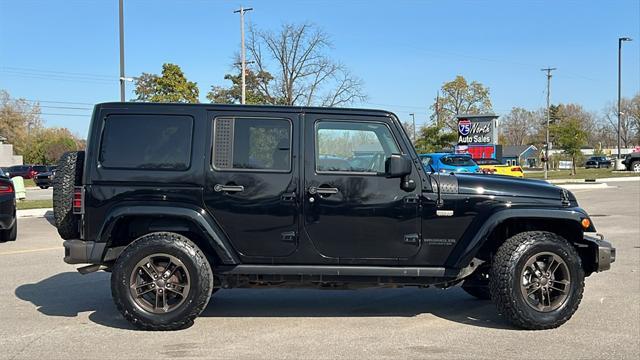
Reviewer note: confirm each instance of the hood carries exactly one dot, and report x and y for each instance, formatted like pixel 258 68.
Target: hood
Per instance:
pixel 499 185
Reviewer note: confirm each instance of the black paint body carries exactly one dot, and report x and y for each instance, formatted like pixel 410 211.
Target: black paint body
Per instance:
pixel 371 221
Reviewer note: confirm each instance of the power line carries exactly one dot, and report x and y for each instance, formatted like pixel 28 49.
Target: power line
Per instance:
pixel 64 107
pixel 57 72
pixel 58 102
pixel 52 114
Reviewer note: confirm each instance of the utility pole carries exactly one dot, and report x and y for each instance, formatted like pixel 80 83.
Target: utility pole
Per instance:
pixel 121 20
pixel 620 40
pixel 242 52
pixel 546 148
pixel 414 126
pixel 438 108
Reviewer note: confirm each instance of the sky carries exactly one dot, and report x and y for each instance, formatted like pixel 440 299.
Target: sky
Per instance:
pixel 64 53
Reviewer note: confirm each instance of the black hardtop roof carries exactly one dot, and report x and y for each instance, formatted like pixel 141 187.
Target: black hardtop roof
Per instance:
pixel 265 108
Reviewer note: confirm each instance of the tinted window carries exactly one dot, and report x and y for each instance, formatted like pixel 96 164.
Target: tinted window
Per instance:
pixel 160 142
pixel 458 161
pixel 40 168
pixel 353 146
pixel 252 144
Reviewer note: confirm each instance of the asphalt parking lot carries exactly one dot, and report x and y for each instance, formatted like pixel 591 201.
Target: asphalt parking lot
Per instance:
pixel 48 310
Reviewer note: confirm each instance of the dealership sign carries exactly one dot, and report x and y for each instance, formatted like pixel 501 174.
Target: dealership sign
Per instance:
pixel 477 129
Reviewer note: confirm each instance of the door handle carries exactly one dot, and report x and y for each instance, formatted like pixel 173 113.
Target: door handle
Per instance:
pixel 322 190
pixel 228 188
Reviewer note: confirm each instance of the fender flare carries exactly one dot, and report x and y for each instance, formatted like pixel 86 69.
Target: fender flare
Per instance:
pixel 214 235
pixel 463 253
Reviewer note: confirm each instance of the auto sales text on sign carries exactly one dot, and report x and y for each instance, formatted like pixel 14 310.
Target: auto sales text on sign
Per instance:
pixel 474 132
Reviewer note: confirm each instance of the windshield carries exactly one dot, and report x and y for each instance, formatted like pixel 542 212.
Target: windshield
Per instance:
pixel 458 161
pixel 40 168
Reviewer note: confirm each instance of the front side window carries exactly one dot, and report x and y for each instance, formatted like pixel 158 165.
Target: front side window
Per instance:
pixel 262 144
pixel 146 142
pixel 357 147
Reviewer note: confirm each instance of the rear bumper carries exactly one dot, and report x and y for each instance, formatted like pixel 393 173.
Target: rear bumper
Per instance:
pixel 604 252
pixel 83 252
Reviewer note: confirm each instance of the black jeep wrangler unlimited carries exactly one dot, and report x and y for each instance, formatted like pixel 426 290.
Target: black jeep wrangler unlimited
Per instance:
pixel 179 200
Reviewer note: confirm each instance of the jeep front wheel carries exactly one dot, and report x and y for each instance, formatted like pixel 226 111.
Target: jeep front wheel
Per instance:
pixel 161 281
pixel 537 280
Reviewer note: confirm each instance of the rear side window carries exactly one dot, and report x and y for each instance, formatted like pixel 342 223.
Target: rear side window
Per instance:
pixel 256 144
pixel 458 161
pixel 154 142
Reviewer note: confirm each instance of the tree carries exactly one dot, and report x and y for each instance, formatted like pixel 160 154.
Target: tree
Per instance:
pixel 433 138
pixel 47 145
pixel 569 133
pixel 629 121
pixel 18 119
pixel 233 95
pixel 518 127
pixel 303 73
pixel 460 97
pixel 171 86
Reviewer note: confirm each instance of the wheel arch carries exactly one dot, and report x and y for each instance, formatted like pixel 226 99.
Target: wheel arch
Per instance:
pixel 507 223
pixel 124 224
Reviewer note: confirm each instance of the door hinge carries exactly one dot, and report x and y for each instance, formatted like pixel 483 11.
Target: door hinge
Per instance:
pixel 411 199
pixel 412 239
pixel 288 236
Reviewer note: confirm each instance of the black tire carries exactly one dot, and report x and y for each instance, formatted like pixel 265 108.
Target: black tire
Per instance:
pixel 195 264
pixel 635 166
pixel 68 176
pixel 44 187
pixel 506 279
pixel 9 234
pixel 477 284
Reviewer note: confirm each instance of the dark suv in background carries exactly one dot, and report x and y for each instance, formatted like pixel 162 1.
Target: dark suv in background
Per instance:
pixel 180 200
pixel 27 171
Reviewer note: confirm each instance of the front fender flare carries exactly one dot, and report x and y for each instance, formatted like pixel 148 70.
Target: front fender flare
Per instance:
pixel 462 255
pixel 199 217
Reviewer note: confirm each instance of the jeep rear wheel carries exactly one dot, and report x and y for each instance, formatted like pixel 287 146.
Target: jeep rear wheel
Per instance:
pixel 537 280
pixel 161 281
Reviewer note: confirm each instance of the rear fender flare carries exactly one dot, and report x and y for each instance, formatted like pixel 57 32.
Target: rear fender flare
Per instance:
pixel 199 217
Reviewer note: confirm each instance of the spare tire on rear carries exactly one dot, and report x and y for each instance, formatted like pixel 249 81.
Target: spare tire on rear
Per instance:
pixel 68 175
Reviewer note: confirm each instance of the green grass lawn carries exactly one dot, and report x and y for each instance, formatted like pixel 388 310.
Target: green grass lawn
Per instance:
pixel 581 173
pixel 33 204
pixel 29 183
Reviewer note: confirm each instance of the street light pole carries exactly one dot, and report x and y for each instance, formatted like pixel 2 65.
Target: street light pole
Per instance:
pixel 414 126
pixel 121 20
pixel 620 40
pixel 242 52
pixel 546 148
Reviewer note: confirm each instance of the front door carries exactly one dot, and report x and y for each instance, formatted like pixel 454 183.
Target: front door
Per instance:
pixel 251 187
pixel 351 210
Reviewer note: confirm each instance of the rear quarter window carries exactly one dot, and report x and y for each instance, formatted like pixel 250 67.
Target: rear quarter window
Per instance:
pixel 153 142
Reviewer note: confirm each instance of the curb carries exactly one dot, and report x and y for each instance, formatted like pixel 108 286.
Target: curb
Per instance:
pixel 584 186
pixel 583 181
pixel 34 213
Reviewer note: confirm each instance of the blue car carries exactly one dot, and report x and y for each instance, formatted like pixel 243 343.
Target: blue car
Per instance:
pixel 447 162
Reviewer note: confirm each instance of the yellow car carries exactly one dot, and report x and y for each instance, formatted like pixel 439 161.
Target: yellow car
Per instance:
pixel 493 166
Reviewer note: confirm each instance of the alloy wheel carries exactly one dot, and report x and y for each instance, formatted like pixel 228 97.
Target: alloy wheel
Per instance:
pixel 159 283
pixel 545 282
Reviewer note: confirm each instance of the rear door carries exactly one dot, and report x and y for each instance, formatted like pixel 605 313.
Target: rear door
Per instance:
pixel 251 183
pixel 351 210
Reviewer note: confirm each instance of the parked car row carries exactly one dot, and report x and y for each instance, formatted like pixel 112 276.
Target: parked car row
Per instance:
pixel 27 171
pixel 464 163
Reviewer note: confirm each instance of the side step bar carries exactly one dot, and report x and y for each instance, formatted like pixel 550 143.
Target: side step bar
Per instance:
pixel 333 270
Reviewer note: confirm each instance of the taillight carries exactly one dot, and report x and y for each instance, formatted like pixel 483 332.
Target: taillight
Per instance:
pixel 78 200
pixel 516 168
pixel 6 188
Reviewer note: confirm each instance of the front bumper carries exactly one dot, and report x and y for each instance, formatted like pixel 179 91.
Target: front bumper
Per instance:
pixel 604 253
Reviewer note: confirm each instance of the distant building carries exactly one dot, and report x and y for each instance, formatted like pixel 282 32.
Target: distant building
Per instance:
pixel 7 158
pixel 522 155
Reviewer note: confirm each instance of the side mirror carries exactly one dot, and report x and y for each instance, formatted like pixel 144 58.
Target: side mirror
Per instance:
pixel 397 166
